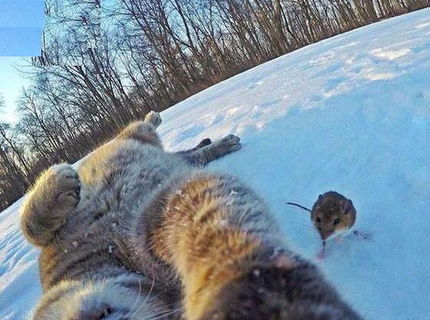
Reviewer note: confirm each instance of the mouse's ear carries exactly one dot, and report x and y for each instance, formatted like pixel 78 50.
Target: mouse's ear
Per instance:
pixel 319 197
pixel 348 206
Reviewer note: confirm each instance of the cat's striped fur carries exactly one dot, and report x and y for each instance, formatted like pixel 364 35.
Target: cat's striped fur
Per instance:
pixel 134 224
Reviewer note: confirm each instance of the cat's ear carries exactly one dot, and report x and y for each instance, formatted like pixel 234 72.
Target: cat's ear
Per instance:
pixel 319 197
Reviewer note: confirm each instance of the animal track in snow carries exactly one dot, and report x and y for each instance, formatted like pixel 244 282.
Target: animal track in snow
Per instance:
pixel 374 75
pixel 390 54
pixel 422 25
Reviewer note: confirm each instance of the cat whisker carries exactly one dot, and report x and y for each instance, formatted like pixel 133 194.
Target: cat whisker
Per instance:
pixel 135 308
pixel 166 313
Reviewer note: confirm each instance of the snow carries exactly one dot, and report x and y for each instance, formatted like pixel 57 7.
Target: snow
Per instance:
pixel 390 54
pixel 351 114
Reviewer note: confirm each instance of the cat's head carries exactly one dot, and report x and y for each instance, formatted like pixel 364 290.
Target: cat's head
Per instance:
pixel 125 297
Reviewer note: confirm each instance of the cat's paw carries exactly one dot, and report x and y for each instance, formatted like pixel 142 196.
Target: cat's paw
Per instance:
pixel 153 118
pixel 262 292
pixel 47 207
pixel 63 185
pixel 230 143
pixel 142 131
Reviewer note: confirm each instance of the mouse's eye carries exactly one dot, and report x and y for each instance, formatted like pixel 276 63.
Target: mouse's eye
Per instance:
pixel 336 221
pixel 318 220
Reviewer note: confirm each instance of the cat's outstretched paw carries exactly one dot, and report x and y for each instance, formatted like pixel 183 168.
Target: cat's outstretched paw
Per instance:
pixel 229 144
pixel 153 118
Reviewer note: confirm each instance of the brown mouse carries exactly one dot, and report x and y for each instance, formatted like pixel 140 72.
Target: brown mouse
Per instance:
pixel 333 214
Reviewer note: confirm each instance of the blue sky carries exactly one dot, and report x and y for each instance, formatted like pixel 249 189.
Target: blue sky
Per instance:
pixel 21 23
pixel 21 13
pixel 20 42
pixel 11 83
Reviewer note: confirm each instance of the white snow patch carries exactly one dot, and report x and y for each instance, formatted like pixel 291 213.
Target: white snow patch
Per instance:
pixel 390 54
pixel 379 76
pixel 423 25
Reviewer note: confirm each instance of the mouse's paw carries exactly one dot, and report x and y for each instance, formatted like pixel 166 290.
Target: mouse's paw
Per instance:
pixel 339 239
pixel 321 256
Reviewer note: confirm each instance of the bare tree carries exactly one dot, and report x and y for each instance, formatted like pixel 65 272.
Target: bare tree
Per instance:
pixel 104 64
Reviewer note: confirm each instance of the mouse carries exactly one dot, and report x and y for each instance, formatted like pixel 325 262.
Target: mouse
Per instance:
pixel 332 215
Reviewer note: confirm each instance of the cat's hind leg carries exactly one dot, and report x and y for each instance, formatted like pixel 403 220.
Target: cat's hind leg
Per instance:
pixel 144 131
pixel 54 196
pixel 153 118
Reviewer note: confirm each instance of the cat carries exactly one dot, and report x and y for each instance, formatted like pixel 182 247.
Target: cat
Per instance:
pixel 140 233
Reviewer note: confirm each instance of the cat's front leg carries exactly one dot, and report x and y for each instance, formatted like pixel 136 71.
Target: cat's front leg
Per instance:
pixel 54 196
pixel 227 249
pixel 215 150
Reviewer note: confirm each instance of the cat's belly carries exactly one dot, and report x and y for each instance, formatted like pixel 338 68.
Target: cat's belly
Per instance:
pixel 129 183
pixel 78 257
pixel 96 234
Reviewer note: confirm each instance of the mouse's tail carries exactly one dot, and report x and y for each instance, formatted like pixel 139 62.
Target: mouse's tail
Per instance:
pixel 298 205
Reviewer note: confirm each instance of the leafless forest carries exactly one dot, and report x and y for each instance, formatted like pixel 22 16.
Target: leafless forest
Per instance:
pixel 104 64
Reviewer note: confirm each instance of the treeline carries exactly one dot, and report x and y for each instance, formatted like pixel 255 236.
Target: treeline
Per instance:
pixel 104 64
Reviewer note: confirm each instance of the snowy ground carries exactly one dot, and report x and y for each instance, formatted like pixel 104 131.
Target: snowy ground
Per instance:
pixel 351 114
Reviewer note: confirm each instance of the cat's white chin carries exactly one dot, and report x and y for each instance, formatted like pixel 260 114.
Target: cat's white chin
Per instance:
pixel 110 299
